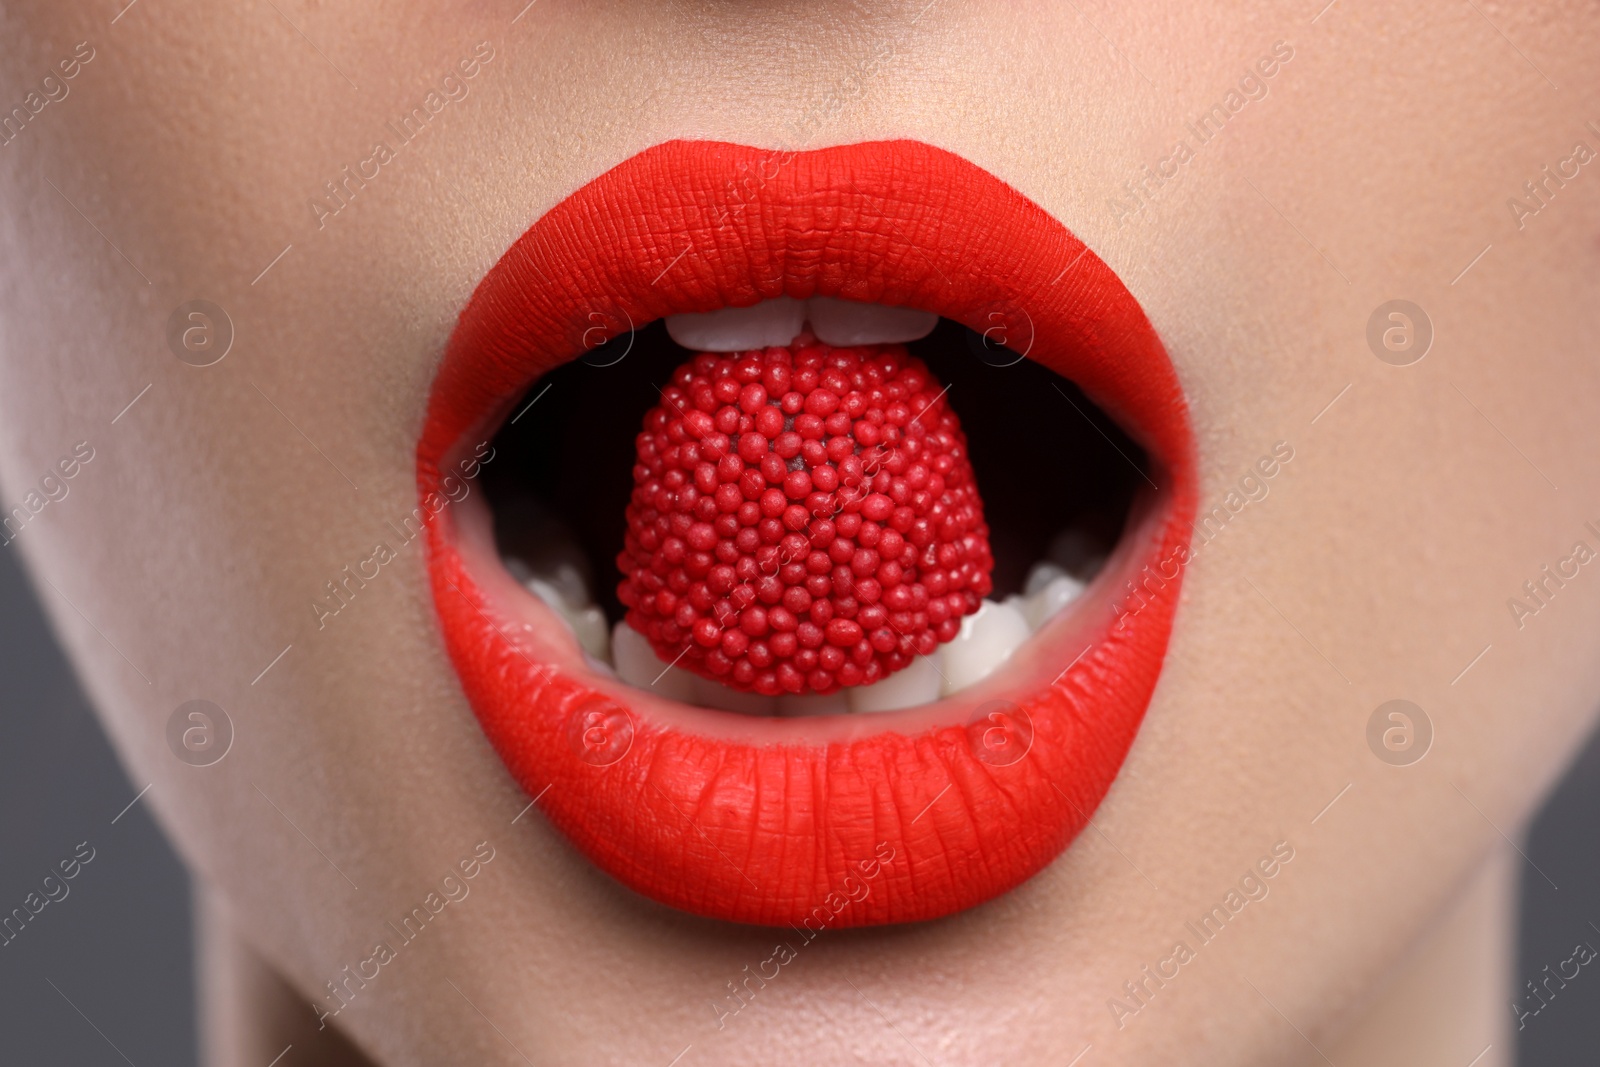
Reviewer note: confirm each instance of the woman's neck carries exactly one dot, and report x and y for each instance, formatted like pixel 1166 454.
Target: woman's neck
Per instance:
pixel 249 1015
pixel 1447 1001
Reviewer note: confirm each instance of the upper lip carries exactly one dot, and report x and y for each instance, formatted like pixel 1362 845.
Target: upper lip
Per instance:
pixel 775 821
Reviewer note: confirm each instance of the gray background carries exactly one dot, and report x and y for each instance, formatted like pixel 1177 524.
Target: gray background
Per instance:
pixel 105 976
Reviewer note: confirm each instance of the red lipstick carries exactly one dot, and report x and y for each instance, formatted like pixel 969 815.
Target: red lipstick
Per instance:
pixel 836 820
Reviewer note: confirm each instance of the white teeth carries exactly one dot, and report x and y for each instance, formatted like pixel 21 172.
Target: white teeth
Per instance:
pixel 984 643
pixel 791 706
pixel 1040 576
pixel 905 688
pixel 777 321
pixel 1043 605
pixel 851 322
pixel 564 577
pixel 710 694
pixel 587 622
pixel 639 666
pixel 1049 588
pixel 987 639
pixel 565 592
pixel 771 322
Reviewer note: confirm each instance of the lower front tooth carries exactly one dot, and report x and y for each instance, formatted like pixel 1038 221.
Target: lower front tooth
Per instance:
pixel 639 666
pixel 547 551
pixel 567 580
pixel 594 637
pixel 908 687
pixel 791 705
pixel 1040 575
pixel 587 622
pixel 771 322
pixel 709 694
pixel 1042 606
pixel 987 639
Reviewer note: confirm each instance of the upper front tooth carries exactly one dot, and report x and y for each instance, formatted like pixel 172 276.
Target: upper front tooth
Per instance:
pixel 771 322
pixel 917 683
pixel 987 639
pixel 851 322
pixel 779 320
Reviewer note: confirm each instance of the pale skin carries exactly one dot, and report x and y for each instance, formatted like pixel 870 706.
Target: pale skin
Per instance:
pixel 1378 166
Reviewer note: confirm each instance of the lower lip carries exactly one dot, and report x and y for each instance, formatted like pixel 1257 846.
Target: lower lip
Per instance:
pixel 836 821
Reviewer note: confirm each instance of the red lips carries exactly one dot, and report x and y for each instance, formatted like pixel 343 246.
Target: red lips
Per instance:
pixel 769 821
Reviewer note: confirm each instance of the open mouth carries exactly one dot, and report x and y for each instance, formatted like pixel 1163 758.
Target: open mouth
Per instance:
pixel 890 673
pixel 1058 481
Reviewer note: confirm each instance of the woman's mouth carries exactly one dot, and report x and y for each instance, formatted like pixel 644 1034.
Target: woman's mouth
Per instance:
pixel 795 775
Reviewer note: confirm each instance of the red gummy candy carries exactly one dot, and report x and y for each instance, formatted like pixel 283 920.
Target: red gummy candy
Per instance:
pixel 803 518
